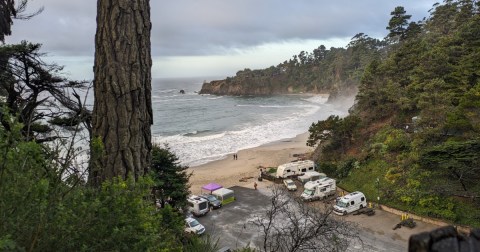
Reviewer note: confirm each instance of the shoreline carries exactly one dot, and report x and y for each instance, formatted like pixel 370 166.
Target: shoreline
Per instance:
pixel 228 172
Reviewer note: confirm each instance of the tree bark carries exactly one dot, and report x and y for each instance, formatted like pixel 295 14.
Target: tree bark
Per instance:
pixel 122 112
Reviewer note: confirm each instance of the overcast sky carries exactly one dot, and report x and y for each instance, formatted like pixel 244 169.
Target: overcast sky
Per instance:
pixel 193 38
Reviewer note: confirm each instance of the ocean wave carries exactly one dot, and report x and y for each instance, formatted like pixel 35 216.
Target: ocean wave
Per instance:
pixel 318 99
pixel 196 150
pixel 215 98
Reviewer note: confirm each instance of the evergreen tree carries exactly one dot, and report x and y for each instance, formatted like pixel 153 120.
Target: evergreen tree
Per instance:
pixel 398 24
pixel 122 112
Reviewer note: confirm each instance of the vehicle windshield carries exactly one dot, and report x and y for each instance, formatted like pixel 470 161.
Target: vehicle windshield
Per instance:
pixel 194 223
pixel 341 204
pixel 211 198
pixel 308 192
pixel 290 184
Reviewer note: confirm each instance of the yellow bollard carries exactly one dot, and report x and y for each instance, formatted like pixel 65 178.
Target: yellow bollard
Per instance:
pixel 403 216
pixel 370 204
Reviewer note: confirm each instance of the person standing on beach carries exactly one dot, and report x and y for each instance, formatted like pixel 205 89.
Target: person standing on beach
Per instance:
pixel 255 185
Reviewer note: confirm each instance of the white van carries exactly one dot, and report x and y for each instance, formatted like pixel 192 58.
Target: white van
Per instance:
pixel 198 206
pixel 349 203
pixel 295 168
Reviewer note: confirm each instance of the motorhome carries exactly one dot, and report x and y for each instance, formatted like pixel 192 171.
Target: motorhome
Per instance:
pixel 311 176
pixel 295 168
pixel 350 203
pixel 198 206
pixel 319 189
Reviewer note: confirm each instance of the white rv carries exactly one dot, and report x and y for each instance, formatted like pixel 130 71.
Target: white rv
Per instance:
pixel 319 189
pixel 295 168
pixel 311 176
pixel 350 203
pixel 198 206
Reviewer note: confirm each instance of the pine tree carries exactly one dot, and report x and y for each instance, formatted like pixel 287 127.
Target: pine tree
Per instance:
pixel 122 113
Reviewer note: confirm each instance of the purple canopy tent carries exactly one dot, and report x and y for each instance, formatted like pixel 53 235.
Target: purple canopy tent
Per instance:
pixel 211 187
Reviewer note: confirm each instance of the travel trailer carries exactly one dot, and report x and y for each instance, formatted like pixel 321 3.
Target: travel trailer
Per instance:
pixel 319 189
pixel 350 203
pixel 198 206
pixel 311 176
pixel 295 168
pixel 224 195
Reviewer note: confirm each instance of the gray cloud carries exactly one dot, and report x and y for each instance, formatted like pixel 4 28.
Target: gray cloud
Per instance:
pixel 205 27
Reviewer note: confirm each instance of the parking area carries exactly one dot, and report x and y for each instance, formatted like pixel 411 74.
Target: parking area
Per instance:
pixel 231 224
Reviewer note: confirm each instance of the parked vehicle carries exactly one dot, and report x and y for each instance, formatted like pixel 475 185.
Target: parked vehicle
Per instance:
pixel 224 195
pixel 319 189
pixel 213 202
pixel 193 226
pixel 295 168
pixel 311 176
pixel 198 206
pixel 350 203
pixel 290 184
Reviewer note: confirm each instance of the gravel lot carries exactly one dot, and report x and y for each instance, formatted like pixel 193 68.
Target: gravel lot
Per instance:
pixel 230 224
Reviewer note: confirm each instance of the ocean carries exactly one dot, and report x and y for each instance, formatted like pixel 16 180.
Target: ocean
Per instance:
pixel 203 128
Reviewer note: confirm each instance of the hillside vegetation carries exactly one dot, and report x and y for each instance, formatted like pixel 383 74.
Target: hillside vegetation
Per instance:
pixel 412 138
pixel 334 70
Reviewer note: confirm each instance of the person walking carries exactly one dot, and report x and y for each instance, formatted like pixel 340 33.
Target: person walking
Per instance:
pixel 255 185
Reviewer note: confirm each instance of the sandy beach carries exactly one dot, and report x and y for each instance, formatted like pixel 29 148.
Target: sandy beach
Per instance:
pixel 228 172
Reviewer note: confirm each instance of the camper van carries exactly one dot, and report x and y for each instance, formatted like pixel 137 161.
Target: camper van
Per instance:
pixel 311 176
pixel 319 189
pixel 295 168
pixel 198 206
pixel 350 203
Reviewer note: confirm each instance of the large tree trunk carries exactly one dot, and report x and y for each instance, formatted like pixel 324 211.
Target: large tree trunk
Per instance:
pixel 122 112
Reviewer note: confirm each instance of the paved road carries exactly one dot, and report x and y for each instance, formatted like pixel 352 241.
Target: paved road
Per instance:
pixel 231 224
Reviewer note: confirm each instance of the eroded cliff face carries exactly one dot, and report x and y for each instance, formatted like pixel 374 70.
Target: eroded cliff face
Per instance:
pixel 257 86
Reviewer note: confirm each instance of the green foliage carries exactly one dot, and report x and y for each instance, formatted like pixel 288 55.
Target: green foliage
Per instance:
pixel 40 212
pixel 170 178
pixel 457 163
pixel 334 134
pixel 30 85
pixel 390 140
pixel 272 170
pixel 398 23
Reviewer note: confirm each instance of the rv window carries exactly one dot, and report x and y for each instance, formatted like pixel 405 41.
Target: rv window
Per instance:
pixel 348 205
pixel 362 199
pixel 190 204
pixel 352 203
pixel 288 170
pixel 310 168
pixel 304 169
pixel 324 189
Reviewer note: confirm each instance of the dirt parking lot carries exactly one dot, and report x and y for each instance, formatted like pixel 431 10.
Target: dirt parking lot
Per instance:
pixel 231 224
